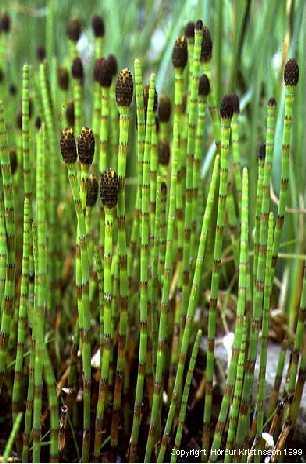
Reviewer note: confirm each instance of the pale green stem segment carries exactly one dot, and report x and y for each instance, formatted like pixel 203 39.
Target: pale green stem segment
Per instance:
pixel 191 137
pixel 183 408
pixel 124 123
pixel 167 271
pixel 196 179
pixel 258 292
pixel 264 332
pixel 236 155
pixel 23 311
pixel 108 330
pixel 290 92
pixel 9 215
pixel 232 369
pixel 193 300
pixel 27 248
pixel 212 106
pixel 212 318
pixel 82 275
pixel 144 272
pixel 12 437
pixel 140 144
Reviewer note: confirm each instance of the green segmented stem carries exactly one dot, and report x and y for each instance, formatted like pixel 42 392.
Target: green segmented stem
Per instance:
pixel 180 160
pixel 212 106
pixel 144 271
pixel 124 123
pixel 140 143
pixel 154 226
pixel 40 259
pixel 77 99
pixel 161 198
pixel 114 126
pixel 298 341
pixel 232 370
pixel 3 249
pixel 107 329
pixel 22 316
pixel 163 330
pixel 234 409
pixel 193 300
pixel 236 155
pixel 41 294
pixel 183 408
pixel 190 165
pixel 225 136
pixel 29 408
pixel 96 116
pixel 162 234
pixel 299 387
pixel 53 165
pixel 12 437
pixel 99 43
pixel 104 128
pixel 82 275
pixel 199 138
pixel 290 92
pixel 9 213
pixel 264 330
pixel 259 195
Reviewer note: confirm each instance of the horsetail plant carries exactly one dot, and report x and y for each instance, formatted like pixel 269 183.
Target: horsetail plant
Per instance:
pixel 226 113
pixel 109 186
pixel 124 96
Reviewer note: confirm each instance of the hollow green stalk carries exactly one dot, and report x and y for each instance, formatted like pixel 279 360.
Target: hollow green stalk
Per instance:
pixel 105 356
pixel 124 123
pixel 191 136
pixel 193 300
pixel 183 408
pixel 232 370
pixel 144 271
pixel 163 330
pixel 9 213
pixel 212 318
pixel 264 332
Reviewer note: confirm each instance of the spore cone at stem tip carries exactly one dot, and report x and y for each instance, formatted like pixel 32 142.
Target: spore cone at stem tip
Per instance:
pixel 226 107
pixel 164 108
pixel 291 72
pixel 112 63
pixel 204 86
pixel 77 69
pixel 68 146
pixel 86 146
pixel 103 72
pixel 5 23
pixel 262 151
pixel 163 153
pixel 207 45
pixel 63 78
pixel 38 122
pixel 97 23
pixel 74 29
pixel 70 116
pixel 189 30
pixel 124 88
pixel 198 25
pixel 41 53
pixel 92 188
pixel 272 101
pixel 109 188
pixel 235 101
pixel 12 89
pixel 13 161
pixel 180 53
